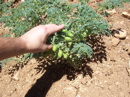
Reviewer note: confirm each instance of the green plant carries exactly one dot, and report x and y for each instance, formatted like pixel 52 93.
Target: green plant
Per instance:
pixel 4 6
pixel 1 1
pixel 70 43
pixel 126 1
pixel 111 4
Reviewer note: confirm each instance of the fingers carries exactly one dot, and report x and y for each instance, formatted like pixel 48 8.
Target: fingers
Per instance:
pixel 49 47
pixel 46 47
pixel 52 28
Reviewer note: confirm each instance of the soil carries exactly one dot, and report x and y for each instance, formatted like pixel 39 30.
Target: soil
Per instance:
pixel 107 74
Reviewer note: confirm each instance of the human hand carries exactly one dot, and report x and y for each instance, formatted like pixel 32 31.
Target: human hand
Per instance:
pixel 35 39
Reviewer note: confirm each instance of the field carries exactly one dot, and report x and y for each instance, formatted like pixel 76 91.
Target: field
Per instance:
pixel 107 74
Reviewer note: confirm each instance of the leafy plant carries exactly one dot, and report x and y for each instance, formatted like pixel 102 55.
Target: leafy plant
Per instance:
pixel 111 4
pixel 4 6
pixel 126 1
pixel 70 43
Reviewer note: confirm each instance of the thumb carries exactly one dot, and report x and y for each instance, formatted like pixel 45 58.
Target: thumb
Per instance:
pixel 48 47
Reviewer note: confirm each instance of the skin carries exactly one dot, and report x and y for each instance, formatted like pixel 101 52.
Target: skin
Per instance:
pixel 33 41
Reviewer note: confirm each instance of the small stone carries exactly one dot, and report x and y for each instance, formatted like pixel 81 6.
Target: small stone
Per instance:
pixel 126 15
pixel 80 76
pixel 117 83
pixel 115 41
pixel 111 11
pixel 121 34
pixel 15 77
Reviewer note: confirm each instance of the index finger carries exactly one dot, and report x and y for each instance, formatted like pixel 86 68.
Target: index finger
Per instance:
pixel 52 28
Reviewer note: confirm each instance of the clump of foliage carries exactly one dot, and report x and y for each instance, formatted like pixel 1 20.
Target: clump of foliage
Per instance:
pixel 111 4
pixel 4 6
pixel 70 43
pixel 126 1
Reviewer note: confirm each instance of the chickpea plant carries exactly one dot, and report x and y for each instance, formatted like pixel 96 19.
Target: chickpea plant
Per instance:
pixel 111 4
pixel 68 44
pixel 4 6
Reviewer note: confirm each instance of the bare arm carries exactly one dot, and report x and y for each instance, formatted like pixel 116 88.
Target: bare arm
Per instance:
pixel 10 47
pixel 31 42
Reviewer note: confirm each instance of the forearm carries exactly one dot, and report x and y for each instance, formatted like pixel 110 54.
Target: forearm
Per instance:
pixel 11 47
pixel 32 41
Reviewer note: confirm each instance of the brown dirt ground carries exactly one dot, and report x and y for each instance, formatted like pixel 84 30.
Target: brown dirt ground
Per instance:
pixel 106 75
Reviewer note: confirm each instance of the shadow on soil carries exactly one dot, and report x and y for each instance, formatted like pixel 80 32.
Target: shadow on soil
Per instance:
pixel 52 74
pixel 55 70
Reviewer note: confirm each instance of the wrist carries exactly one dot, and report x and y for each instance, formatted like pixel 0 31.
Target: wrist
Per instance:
pixel 22 45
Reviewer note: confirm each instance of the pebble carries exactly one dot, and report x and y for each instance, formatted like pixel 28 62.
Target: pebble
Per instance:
pixel 15 77
pixel 122 34
pixel 80 76
pixel 126 15
pixel 117 83
pixel 111 11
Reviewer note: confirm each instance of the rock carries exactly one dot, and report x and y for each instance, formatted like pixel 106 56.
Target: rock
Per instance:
pixel 115 41
pixel 111 11
pixel 126 15
pixel 15 77
pixel 80 76
pixel 121 34
pixel 117 83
